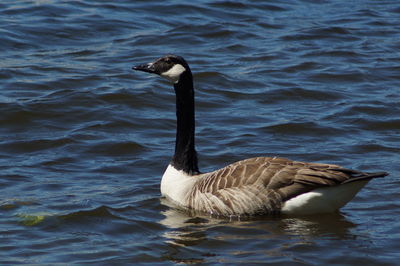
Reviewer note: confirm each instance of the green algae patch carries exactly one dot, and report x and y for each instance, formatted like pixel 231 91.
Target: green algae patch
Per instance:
pixel 30 219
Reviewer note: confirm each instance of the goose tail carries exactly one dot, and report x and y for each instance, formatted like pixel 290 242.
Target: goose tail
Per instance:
pixel 358 176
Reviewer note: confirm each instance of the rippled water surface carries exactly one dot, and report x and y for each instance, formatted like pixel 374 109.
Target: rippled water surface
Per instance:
pixel 84 140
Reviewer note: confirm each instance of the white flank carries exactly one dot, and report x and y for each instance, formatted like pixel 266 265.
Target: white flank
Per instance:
pixel 323 200
pixel 176 185
pixel 174 73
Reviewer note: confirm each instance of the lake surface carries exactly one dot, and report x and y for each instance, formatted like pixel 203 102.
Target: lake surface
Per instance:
pixel 84 140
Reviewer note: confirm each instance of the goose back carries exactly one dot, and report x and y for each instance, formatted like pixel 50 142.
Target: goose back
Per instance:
pixel 261 185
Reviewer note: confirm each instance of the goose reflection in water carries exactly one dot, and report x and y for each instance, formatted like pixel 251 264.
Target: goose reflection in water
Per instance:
pixel 187 229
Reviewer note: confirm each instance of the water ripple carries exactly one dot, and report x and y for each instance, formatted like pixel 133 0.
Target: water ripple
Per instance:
pixel 84 140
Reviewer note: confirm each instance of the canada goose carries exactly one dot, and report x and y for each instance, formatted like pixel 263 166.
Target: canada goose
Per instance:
pixel 261 185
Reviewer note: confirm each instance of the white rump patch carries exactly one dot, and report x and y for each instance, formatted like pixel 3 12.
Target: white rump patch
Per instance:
pixel 174 73
pixel 323 200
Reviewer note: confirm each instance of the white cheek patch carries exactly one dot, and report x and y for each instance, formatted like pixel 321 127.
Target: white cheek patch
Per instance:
pixel 174 73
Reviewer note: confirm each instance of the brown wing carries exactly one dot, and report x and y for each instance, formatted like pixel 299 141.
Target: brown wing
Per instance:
pixel 261 184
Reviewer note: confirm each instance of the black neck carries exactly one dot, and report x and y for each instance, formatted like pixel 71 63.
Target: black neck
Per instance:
pixel 185 157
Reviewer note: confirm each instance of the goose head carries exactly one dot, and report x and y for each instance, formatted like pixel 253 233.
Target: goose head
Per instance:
pixel 171 67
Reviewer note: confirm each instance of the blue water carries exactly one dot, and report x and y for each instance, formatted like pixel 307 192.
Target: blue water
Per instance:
pixel 84 140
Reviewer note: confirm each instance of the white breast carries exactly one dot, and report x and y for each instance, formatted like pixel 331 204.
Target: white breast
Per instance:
pixel 176 185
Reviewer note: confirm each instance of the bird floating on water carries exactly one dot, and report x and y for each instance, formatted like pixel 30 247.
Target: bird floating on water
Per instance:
pixel 255 186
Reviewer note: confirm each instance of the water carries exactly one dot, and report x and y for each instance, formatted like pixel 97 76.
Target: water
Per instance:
pixel 84 140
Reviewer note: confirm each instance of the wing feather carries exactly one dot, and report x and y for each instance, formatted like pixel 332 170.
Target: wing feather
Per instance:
pixel 261 185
